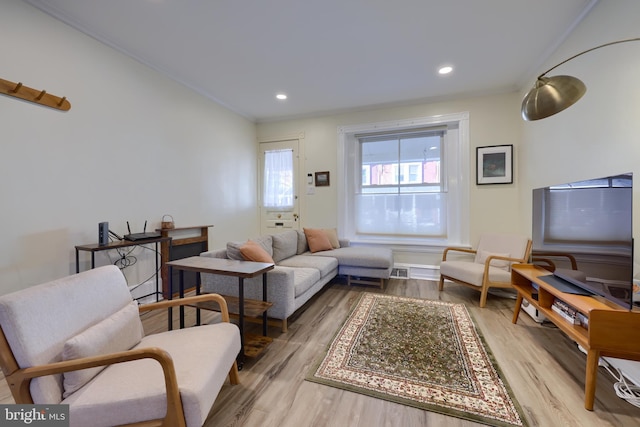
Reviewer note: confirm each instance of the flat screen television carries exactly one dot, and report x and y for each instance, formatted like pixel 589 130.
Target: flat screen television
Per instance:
pixel 582 231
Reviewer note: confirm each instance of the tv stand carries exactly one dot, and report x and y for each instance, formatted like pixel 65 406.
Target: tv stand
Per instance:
pixel 612 330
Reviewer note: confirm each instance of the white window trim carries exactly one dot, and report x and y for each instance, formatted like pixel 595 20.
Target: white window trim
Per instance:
pixel 458 172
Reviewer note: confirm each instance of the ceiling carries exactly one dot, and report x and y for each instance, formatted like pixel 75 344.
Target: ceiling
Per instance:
pixel 330 56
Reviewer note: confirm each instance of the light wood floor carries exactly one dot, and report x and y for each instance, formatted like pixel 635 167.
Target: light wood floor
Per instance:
pixel 544 369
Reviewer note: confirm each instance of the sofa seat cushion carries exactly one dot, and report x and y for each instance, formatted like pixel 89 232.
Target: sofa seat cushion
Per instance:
pixel 124 385
pixel 304 279
pixel 360 256
pixel 326 265
pixel 471 272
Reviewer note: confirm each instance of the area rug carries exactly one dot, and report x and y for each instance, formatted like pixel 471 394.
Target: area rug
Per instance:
pixel 421 353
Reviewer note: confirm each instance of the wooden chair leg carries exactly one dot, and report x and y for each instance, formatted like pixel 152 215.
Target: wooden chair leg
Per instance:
pixel 483 297
pixel 441 283
pixel 285 326
pixel 234 377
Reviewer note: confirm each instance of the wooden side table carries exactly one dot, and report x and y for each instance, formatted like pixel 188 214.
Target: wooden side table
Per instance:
pixel 240 269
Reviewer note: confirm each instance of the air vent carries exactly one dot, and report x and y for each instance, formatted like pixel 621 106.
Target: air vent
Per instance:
pixel 400 273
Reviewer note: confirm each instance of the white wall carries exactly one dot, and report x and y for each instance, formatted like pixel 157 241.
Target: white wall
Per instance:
pixel 493 120
pixel 600 134
pixel 63 172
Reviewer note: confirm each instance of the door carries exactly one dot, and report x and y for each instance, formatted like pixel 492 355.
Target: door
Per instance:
pixel 278 186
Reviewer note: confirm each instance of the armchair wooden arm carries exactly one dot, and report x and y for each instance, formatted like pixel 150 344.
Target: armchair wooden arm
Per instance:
pixel 456 249
pixel 541 257
pixel 189 301
pixel 490 258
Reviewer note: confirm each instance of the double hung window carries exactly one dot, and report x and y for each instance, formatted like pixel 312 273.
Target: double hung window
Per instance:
pixel 405 182
pixel 403 190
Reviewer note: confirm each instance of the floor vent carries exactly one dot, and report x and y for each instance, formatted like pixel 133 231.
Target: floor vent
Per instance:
pixel 400 273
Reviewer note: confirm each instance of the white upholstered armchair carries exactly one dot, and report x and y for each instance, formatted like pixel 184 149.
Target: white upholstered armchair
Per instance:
pixel 79 341
pixel 487 266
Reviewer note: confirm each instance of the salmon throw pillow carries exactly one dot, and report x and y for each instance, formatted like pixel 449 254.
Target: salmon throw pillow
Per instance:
pixel 317 240
pixel 252 251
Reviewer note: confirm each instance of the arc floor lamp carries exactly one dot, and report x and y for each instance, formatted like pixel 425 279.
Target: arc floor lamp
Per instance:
pixel 550 95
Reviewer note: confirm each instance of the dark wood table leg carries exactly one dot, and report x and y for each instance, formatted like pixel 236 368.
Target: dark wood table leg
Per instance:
pixel 198 282
pixel 181 274
pixel 264 298
pixel 241 320
pixel 170 296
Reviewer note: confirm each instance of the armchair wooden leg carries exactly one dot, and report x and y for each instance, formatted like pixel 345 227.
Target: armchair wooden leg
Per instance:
pixel 234 378
pixel 441 283
pixel 483 297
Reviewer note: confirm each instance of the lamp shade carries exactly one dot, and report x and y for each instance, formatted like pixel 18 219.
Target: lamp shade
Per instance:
pixel 551 95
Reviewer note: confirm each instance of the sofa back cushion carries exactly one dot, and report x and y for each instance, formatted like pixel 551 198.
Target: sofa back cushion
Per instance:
pixel 506 245
pixel 285 245
pixel 39 320
pixel 303 246
pixel 332 235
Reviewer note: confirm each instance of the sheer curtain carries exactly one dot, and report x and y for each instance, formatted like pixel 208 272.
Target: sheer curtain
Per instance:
pixel 278 179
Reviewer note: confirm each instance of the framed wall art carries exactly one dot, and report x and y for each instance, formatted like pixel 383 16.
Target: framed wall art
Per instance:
pixel 494 164
pixel 322 179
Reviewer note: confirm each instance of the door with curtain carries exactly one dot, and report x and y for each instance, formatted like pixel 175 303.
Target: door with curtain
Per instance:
pixel 279 201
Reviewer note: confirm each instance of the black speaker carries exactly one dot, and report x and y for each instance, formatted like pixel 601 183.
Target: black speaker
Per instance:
pixel 103 233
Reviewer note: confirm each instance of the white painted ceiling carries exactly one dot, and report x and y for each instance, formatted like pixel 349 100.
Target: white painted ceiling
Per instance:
pixel 330 55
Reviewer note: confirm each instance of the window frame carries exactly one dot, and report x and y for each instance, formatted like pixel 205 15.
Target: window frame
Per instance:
pixel 456 167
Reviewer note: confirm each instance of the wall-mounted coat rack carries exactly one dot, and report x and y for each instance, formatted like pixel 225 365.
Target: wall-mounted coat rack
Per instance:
pixel 17 90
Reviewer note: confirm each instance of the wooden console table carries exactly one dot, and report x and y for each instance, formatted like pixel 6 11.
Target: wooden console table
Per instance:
pixel 242 270
pixel 612 330
pixel 176 243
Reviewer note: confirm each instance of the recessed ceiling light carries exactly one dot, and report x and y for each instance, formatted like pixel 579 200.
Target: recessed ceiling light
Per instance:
pixel 281 96
pixel 445 70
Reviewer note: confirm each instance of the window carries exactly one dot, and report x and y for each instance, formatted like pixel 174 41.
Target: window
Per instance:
pixel 278 179
pixel 402 190
pixel 405 182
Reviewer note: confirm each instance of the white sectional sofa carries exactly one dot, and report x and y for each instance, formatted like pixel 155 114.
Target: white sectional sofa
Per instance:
pixel 299 274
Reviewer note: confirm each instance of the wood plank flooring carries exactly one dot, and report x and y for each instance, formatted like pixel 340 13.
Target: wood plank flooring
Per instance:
pixel 544 369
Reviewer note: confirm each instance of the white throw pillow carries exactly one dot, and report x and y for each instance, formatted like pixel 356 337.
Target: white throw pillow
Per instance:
pixel 119 332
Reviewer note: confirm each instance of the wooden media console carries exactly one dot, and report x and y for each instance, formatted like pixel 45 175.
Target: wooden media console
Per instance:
pixel 612 330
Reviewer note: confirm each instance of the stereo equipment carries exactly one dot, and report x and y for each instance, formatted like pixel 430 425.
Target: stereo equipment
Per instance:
pixel 103 233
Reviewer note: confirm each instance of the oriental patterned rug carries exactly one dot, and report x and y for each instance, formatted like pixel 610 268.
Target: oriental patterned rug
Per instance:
pixel 421 353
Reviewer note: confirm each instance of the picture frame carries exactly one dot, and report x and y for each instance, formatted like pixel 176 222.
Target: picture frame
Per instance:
pixel 494 164
pixel 322 179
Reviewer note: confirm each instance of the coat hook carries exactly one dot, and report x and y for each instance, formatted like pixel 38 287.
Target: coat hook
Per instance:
pixel 17 88
pixel 62 101
pixel 39 97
